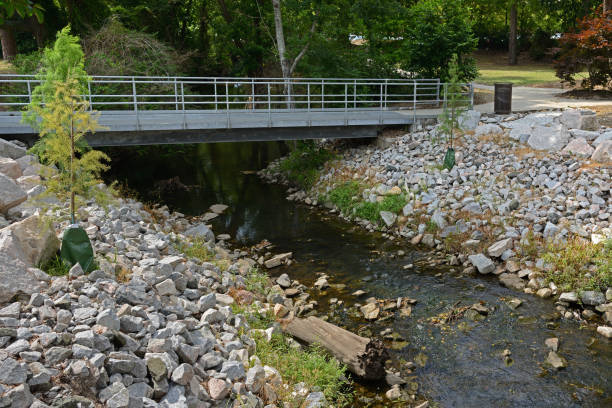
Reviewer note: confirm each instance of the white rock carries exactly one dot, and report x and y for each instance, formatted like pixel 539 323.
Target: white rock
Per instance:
pixel 488 129
pixel 482 263
pixel 603 152
pixel 605 331
pixel 469 120
pixel 10 168
pixel 602 138
pixel 551 138
pixel 497 249
pixel 8 149
pixel 11 194
pixel 579 147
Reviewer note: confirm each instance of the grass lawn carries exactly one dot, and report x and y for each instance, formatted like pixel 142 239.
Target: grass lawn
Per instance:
pixel 493 67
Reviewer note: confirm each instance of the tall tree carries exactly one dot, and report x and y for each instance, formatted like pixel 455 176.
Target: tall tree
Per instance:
pixel 512 51
pixel 9 10
pixel 287 65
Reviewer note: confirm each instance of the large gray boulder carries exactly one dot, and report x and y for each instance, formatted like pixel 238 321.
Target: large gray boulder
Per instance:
pixel 10 167
pixel 16 277
pixel 200 231
pixel 8 149
pixel 571 118
pixel 11 194
pixel 579 147
pixel 31 240
pixel 469 120
pixel 603 152
pixel 600 139
pixel 551 138
pixel 24 245
pixel 482 263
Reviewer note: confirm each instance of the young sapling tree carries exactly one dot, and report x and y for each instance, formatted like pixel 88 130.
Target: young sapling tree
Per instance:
pixel 62 117
pixel 455 104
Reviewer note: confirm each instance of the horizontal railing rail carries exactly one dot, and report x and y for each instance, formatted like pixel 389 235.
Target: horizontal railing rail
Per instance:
pixel 254 94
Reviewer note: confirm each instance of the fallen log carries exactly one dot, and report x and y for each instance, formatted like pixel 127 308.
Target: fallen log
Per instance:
pixel 363 357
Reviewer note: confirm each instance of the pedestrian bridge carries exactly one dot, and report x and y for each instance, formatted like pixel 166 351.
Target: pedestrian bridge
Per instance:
pixel 175 110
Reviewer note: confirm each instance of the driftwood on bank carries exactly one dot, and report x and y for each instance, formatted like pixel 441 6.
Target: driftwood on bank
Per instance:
pixel 363 357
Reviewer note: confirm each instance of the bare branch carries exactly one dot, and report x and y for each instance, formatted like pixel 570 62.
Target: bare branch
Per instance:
pixel 301 54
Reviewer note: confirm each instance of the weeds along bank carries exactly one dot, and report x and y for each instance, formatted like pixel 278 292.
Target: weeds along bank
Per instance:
pixel 529 200
pixel 170 317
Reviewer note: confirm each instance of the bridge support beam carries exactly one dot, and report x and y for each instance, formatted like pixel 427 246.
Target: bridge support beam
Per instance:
pixel 158 137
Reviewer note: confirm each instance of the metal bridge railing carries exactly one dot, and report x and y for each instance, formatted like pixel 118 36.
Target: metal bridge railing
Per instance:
pixel 246 94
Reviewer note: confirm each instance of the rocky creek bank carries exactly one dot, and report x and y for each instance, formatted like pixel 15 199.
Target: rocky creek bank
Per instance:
pixel 155 325
pixel 527 192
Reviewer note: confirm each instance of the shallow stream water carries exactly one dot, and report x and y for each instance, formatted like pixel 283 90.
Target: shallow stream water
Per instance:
pixel 458 364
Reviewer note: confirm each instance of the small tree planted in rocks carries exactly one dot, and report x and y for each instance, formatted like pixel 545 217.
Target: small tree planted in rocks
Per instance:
pixel 455 104
pixel 62 116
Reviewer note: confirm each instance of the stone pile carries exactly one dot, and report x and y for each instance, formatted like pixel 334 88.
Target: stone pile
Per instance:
pixel 519 179
pixel 148 328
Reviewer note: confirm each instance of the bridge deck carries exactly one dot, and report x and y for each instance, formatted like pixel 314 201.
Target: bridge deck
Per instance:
pixel 129 121
pixel 123 128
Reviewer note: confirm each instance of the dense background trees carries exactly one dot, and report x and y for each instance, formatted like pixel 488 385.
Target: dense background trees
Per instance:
pixel 242 37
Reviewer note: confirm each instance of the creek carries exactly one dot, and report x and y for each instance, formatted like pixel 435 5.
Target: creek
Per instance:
pixel 459 364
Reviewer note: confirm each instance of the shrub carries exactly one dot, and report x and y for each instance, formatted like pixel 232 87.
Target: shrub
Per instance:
pixel 571 262
pixel 116 50
pixel 197 248
pixel 302 165
pixel 343 196
pixel 312 366
pixel 348 200
pixel 368 211
pixel 590 49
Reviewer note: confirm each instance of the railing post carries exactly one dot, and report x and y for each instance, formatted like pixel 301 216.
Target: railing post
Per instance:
pixel 30 91
pixel 269 107
pixel 253 94
pixel 134 94
pixel 227 105
pixel 183 105
pixel 380 120
pixel 437 91
pixel 355 94
pixel 322 95
pixel 216 97
pixel 175 95
pixel 308 107
pixel 135 103
pixel 346 104
pixel 386 92
pixel 414 101
pixel 88 90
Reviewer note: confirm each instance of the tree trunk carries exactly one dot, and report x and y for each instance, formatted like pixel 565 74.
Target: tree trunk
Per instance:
pixel 512 36
pixel 282 49
pixel 9 45
pixel 72 175
pixel 607 6
pixel 362 356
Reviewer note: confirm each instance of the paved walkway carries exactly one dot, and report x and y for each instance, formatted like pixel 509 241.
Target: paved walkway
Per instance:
pixel 525 98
